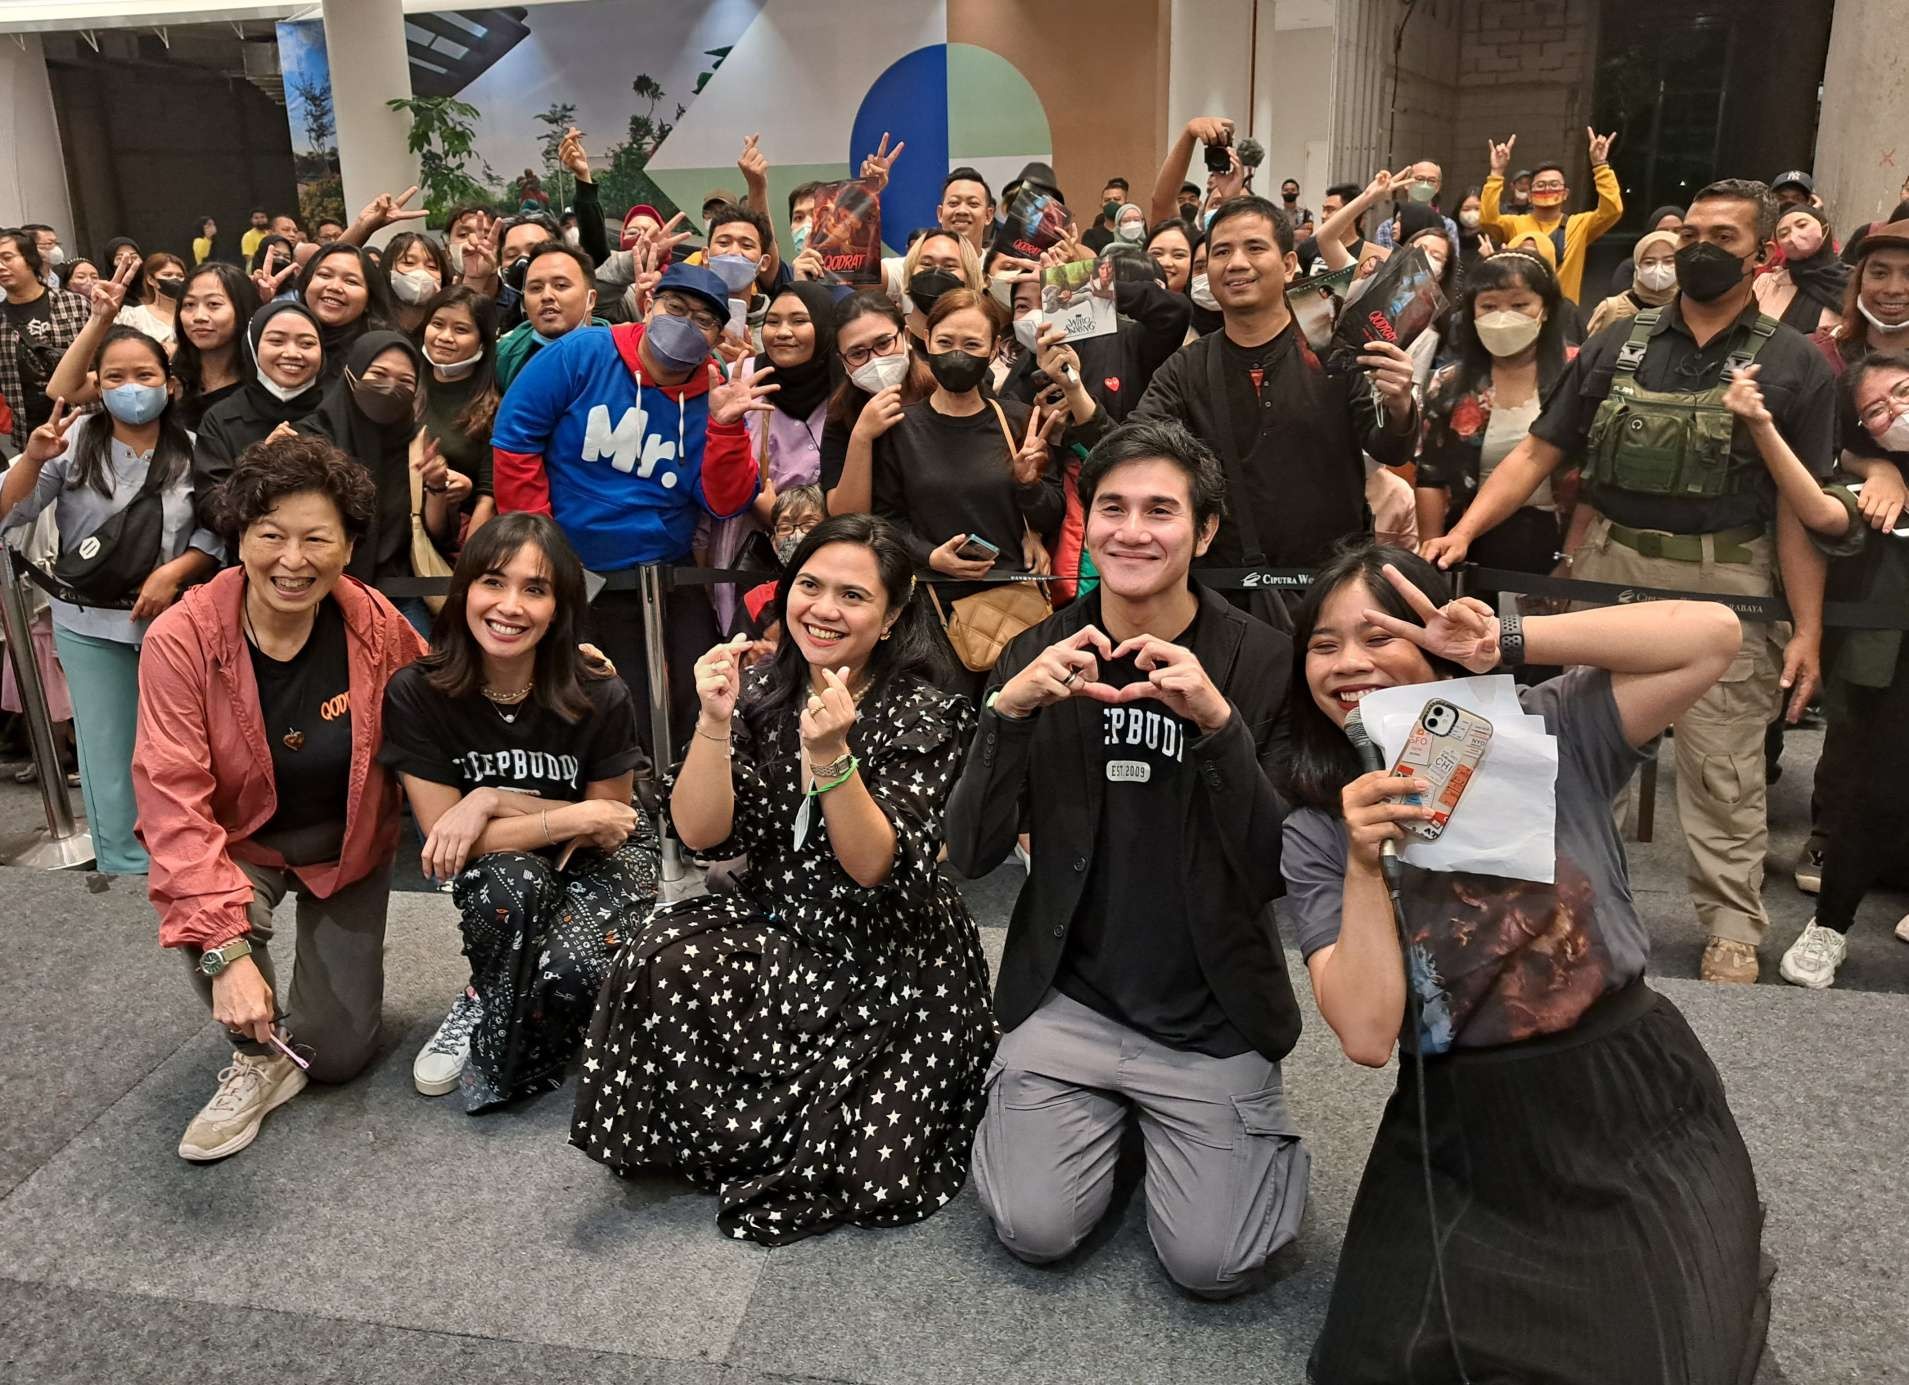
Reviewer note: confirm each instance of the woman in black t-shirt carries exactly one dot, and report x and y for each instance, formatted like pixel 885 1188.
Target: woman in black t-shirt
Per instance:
pixel 517 755
pixel 458 339
pixel 882 376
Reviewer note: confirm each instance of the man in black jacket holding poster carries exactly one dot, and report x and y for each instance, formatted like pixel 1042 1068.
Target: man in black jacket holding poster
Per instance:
pixel 1133 732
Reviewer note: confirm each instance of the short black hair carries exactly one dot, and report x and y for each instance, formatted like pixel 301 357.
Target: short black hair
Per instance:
pixel 1159 440
pixel 1556 168
pixel 1190 190
pixel 37 226
pixel 730 213
pixel 800 191
pixel 1120 183
pixel 29 249
pixel 1345 192
pixel 324 221
pixel 462 210
pixel 965 174
pixel 1284 181
pixel 1251 204
pixel 562 247
pixel 1748 190
pixel 268 471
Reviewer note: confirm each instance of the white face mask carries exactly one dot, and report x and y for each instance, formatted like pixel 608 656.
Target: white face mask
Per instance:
pixel 880 373
pixel 1469 218
pixel 1027 328
pixel 573 237
pixel 1132 232
pixel 1895 438
pixel 1507 332
pixel 1201 292
pixel 284 394
pixel 413 286
pixel 57 255
pixel 451 370
pixel 1877 322
pixel 1657 276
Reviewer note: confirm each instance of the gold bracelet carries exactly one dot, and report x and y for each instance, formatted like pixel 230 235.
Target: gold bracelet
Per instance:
pixel 548 839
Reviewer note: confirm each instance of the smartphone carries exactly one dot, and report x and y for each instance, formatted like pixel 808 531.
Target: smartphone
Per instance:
pixel 977 549
pixel 1443 749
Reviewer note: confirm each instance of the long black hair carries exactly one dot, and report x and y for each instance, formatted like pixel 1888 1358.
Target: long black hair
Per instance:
pixel 377 288
pixel 845 405
pixel 188 361
pixel 913 648
pixel 93 456
pixel 1506 270
pixel 394 251
pixel 480 409
pixel 456 662
pixel 1322 761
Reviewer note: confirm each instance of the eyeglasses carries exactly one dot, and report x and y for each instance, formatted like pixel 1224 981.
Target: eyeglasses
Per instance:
pixel 1895 402
pixel 702 317
pixel 1547 187
pixel 858 356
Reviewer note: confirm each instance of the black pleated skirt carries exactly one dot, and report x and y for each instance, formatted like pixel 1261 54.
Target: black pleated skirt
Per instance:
pixel 1598 1211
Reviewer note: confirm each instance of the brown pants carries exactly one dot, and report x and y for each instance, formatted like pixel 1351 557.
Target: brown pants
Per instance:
pixel 1722 799
pixel 334 1006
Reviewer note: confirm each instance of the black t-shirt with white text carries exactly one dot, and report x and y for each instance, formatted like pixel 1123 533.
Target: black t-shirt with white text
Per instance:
pixel 37 356
pixel 1130 953
pixel 305 703
pixel 473 743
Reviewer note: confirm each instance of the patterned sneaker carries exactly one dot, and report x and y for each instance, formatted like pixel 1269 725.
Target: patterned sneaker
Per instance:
pixel 441 1062
pixel 1729 961
pixel 249 1090
pixel 1809 870
pixel 1814 956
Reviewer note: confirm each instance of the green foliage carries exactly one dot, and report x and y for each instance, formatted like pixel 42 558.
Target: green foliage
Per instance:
pixel 558 181
pixel 624 183
pixel 444 138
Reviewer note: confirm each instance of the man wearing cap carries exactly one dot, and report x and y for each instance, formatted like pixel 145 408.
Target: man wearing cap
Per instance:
pixel 627 438
pixel 1794 189
pixel 1683 500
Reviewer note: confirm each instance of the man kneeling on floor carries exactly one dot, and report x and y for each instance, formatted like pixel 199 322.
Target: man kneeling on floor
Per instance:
pixel 1133 733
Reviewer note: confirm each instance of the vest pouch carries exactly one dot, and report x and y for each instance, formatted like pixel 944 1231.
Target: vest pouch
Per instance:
pixel 1637 445
pixel 1707 469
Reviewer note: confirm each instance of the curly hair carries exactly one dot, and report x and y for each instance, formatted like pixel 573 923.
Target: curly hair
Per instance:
pixel 268 471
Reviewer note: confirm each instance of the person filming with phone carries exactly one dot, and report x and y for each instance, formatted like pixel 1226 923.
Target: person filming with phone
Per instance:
pixel 1557 1190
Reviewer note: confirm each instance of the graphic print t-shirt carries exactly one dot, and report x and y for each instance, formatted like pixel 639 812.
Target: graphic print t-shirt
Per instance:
pixel 1130 953
pixel 471 743
pixel 1496 960
pixel 306 705
pixel 36 356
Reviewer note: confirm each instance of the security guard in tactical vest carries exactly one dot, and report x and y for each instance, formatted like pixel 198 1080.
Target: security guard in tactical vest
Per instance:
pixel 1680 498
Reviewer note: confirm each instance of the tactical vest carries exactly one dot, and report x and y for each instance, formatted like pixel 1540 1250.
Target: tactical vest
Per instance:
pixel 1670 442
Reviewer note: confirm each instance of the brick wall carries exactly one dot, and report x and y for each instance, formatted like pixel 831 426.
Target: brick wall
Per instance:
pixel 1525 67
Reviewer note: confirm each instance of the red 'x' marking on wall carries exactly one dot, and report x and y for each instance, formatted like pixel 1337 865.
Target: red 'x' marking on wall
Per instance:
pixel 1888 159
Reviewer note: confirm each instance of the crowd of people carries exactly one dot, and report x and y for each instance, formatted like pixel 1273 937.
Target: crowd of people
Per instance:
pixel 975 607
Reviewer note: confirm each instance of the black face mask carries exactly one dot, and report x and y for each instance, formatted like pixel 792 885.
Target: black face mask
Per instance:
pixel 379 402
pixel 169 287
pixel 514 272
pixel 926 288
pixel 1289 196
pixel 956 371
pixel 1706 272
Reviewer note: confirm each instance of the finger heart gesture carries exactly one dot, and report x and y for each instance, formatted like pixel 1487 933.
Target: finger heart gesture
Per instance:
pixel 826 718
pixel 1175 677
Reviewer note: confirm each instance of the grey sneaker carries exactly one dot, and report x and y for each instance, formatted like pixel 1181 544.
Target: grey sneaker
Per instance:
pixel 441 1062
pixel 250 1089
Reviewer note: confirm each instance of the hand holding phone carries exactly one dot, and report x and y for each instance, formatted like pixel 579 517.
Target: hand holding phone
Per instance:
pixel 1443 749
pixel 977 550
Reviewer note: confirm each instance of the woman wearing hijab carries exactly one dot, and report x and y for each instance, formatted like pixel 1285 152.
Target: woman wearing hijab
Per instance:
pixel 284 358
pixel 1807 291
pixel 798 340
pixel 1663 219
pixel 348 295
pixel 371 415
pixel 1653 281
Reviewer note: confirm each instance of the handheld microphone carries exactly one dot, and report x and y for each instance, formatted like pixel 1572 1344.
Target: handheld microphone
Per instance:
pixel 1373 759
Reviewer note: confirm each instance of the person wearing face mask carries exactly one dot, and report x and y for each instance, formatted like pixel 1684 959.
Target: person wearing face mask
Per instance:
pixel 960 465
pixel 347 294
pixel 162 279
pixel 37 324
pixel 1471 241
pixel 1681 497
pixel 627 438
pixel 414 267
pixel 79 276
pixel 1807 291
pixel 1112 198
pixel 1419 186
pixel 1289 203
pixel 797 510
pixel 496 267
pixel 97 476
pixel 1653 281
pixel 280 369
pixel 459 344
pixel 52 253
pixel 1663 219
pixel 559 296
pixel 939 262
pixel 739 252
pixel 1412 224
pixel 1570 235
pixel 883 376
pixel 1517 194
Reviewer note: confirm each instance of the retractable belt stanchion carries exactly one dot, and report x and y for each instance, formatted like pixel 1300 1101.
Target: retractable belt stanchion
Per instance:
pixel 674 877
pixel 66 844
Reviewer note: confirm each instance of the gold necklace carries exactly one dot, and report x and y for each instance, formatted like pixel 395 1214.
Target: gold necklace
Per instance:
pixel 507 699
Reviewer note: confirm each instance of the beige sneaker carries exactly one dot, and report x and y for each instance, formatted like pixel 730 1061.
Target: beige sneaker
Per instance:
pixel 252 1088
pixel 1729 961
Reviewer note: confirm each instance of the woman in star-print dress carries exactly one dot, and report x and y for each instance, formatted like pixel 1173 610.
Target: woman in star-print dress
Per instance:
pixel 813 1046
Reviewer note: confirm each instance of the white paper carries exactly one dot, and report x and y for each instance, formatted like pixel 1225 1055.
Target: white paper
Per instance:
pixel 1507 822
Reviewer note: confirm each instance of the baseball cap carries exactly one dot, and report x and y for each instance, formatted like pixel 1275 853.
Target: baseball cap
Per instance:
pixel 1796 176
pixel 698 282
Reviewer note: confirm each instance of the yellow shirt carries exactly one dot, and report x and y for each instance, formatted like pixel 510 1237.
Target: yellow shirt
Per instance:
pixel 249 242
pixel 201 247
pixel 1580 229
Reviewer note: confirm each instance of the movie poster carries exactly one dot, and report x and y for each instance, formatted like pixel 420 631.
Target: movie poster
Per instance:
pixel 1036 220
pixel 1315 303
pixel 1079 298
pixel 847 233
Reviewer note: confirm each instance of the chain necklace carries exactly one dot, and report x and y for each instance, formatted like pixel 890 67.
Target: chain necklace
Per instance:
pixel 507 699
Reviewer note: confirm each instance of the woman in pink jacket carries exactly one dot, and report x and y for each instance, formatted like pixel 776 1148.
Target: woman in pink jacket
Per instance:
pixel 255 771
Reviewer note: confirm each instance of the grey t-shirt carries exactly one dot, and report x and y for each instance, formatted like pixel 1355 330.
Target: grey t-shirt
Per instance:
pixel 1495 960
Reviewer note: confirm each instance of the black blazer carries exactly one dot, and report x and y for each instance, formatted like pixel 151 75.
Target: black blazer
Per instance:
pixel 1228 858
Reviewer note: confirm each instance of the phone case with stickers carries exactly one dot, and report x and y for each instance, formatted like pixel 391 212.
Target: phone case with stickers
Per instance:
pixel 1443 749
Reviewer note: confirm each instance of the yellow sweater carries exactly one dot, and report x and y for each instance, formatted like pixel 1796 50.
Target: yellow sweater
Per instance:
pixel 1580 229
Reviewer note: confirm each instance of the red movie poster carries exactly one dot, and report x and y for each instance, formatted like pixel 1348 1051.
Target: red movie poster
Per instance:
pixel 847 233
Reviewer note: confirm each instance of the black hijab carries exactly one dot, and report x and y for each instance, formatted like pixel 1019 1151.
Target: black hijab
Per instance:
pixel 340 339
pixel 806 386
pixel 255 408
pixel 1821 281
pixel 383 449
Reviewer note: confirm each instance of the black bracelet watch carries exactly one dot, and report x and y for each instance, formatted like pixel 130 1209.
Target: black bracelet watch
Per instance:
pixel 1511 632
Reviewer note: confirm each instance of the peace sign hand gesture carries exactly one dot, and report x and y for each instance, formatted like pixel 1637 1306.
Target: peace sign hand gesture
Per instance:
pixel 743 394
pixel 384 209
pixel 1600 145
pixel 1501 155
pixel 1464 631
pixel 49 440
pixel 1031 461
pixel 877 166
pixel 826 719
pixel 480 261
pixel 269 284
pixel 109 295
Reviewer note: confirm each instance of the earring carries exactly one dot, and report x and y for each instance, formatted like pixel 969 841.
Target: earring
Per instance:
pixel 889 631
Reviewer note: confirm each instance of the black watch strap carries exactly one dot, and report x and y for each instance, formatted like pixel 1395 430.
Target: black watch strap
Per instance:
pixel 1511 631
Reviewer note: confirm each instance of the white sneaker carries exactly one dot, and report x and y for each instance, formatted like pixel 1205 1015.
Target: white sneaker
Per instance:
pixel 441 1062
pixel 251 1088
pixel 1814 956
pixel 1902 928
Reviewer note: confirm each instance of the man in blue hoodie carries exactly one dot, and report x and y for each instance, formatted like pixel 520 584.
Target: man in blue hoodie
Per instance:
pixel 626 438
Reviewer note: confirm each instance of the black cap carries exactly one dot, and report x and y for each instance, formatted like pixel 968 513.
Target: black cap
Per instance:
pixel 1795 176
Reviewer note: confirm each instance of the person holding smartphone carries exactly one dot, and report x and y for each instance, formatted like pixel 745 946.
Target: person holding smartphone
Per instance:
pixel 1560 1113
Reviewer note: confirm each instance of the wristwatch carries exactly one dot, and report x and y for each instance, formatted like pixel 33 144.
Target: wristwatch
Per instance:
pixel 1511 632
pixel 216 959
pixel 834 769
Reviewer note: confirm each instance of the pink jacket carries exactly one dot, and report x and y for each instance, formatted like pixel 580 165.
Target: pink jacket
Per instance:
pixel 202 768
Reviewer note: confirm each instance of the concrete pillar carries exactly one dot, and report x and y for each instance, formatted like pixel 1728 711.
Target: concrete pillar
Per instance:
pixel 33 176
pixel 365 47
pixel 1862 136
pixel 1209 66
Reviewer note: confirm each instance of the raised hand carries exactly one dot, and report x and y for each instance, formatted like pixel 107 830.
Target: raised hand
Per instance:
pixel 1600 145
pixel 753 164
pixel 719 679
pixel 1500 155
pixel 882 412
pixel 1028 463
pixel 49 440
pixel 384 209
pixel 826 719
pixel 109 295
pixel 270 284
pixel 1383 182
pixel 481 260
pixel 1234 179
pixel 808 265
pixel 1210 129
pixel 1391 372
pixel 1744 397
pixel 877 166
pixel 1057 673
pixel 1464 631
pixel 1175 677
pixel 743 394
pixel 572 155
